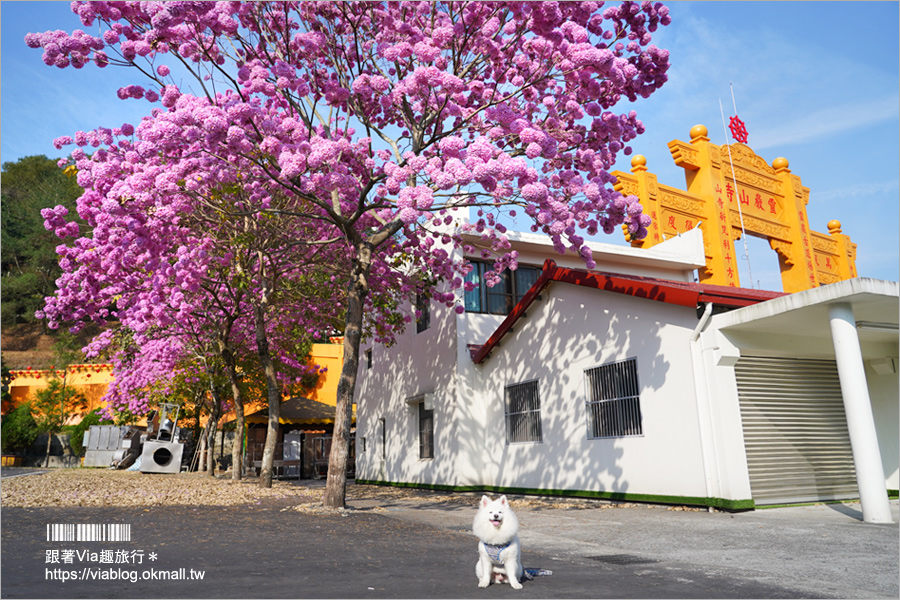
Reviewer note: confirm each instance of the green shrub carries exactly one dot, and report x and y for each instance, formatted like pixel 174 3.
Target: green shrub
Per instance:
pixel 18 431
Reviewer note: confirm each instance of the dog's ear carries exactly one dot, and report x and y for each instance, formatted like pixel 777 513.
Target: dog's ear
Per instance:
pixel 503 500
pixel 485 501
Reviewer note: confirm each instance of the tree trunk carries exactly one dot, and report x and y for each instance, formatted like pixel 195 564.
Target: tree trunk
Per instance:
pixel 336 485
pixel 274 396
pixel 201 463
pixel 62 419
pixel 47 456
pixel 209 432
pixel 237 447
pixel 211 427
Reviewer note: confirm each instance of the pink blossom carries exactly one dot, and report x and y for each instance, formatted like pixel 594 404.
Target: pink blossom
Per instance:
pixel 494 114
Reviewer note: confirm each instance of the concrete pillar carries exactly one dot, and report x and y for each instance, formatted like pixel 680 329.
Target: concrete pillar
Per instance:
pixel 860 422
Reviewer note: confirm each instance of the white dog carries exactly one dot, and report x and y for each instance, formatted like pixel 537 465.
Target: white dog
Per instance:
pixel 499 552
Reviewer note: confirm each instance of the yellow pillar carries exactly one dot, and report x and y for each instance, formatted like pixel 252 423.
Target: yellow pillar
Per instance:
pixel 798 272
pixel 846 260
pixel 704 179
pixel 648 193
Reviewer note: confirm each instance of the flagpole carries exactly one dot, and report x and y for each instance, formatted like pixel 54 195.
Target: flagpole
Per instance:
pixel 746 255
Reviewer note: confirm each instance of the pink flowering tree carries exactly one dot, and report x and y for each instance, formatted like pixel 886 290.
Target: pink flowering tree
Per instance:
pixel 243 283
pixel 379 123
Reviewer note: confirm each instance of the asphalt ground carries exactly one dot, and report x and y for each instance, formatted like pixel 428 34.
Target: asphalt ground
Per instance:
pixel 416 547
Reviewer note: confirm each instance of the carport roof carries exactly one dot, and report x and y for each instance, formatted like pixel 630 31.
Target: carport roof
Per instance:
pixel 875 304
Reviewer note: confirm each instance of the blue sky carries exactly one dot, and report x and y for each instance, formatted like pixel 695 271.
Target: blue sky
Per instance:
pixel 815 82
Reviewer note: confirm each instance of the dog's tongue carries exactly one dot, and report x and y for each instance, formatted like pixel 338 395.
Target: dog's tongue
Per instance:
pixel 496 523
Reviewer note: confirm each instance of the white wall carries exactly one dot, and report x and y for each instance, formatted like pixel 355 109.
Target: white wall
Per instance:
pixel 573 329
pixel 570 330
pixel 729 474
pixel 416 364
pixel 884 392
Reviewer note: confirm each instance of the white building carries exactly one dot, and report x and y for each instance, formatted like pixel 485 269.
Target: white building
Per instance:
pixel 632 382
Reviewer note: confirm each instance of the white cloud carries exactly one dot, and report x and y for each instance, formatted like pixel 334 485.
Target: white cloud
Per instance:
pixel 788 89
pixel 862 189
pixel 827 121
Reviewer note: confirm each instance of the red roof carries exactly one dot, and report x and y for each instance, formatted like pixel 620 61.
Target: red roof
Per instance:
pixel 661 290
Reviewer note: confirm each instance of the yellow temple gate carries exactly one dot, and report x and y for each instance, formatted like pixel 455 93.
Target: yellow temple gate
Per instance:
pixel 731 191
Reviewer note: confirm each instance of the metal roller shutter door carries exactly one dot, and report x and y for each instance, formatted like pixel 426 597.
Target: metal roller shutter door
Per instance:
pixel 795 430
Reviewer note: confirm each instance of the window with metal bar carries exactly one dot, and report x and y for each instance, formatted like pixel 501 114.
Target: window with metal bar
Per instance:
pixel 614 401
pixel 523 413
pixel 426 432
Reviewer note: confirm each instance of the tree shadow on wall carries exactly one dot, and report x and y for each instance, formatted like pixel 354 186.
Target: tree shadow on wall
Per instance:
pixel 555 345
pixel 467 427
pixel 399 376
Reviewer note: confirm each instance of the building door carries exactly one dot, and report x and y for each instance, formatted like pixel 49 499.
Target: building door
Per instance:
pixel 795 430
pixel 292 454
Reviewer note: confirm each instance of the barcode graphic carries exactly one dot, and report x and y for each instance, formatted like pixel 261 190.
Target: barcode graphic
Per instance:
pixel 88 532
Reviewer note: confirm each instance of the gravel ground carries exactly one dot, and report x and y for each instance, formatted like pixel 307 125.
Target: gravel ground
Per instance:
pixel 97 487
pixel 100 487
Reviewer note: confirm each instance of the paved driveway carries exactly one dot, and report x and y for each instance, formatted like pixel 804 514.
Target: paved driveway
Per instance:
pixel 6 472
pixel 405 548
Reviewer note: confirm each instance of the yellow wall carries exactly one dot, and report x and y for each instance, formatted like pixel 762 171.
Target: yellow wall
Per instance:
pixel 93 380
pixel 90 380
pixel 330 356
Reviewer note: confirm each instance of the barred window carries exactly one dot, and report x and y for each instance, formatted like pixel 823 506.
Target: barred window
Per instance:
pixel 523 413
pixel 426 432
pixel 614 402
